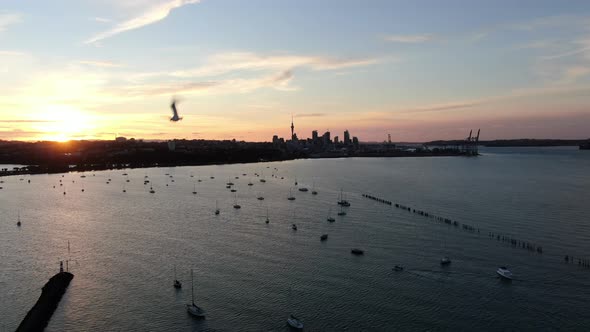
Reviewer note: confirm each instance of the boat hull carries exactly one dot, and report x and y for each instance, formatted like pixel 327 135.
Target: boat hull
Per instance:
pixel 195 311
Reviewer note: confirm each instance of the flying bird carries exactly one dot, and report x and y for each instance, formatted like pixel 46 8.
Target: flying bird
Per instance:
pixel 175 116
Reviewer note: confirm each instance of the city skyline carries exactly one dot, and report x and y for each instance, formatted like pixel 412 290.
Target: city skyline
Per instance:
pixel 419 71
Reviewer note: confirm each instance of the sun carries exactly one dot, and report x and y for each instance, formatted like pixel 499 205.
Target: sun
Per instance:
pixel 63 123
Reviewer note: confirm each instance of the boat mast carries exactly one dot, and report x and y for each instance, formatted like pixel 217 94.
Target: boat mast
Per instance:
pixel 192 288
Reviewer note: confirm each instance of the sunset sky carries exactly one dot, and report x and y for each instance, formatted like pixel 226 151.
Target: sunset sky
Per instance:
pixel 418 70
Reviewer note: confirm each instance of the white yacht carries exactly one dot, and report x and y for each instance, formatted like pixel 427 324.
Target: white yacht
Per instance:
pixel 445 261
pixel 504 273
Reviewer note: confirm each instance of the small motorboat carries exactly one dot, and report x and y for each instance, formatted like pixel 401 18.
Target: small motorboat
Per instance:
pixel 445 261
pixel 177 284
pixel 260 198
pixel 233 190
pixel 237 206
pixel 341 213
pixel 314 192
pixel 324 237
pixel 303 189
pixel 398 268
pixel 357 251
pixel 504 273
pixel 294 227
pixel 331 219
pixel 294 322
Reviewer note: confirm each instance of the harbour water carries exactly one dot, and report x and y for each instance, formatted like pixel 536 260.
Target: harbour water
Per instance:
pixel 250 276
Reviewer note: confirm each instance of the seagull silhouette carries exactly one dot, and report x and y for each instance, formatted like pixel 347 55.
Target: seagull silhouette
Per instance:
pixel 175 116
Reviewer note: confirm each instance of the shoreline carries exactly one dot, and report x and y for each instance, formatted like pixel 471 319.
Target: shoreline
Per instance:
pixel 45 169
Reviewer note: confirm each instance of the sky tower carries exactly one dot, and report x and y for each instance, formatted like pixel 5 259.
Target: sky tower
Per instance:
pixel 292 129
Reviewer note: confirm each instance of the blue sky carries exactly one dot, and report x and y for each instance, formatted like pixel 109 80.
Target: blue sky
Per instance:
pixel 419 70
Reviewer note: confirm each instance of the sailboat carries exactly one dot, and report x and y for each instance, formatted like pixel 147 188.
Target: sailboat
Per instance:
pixel 267 220
pixel 330 218
pixel 291 197
pixel 445 260
pixel 192 308
pixel 293 321
pixel 194 188
pixel 236 205
pixel 313 191
pixel 152 191
pixel 124 190
pixel 216 208
pixel 260 197
pixel 342 201
pixel 342 212
pixel 177 283
pixel 262 179
pixel 18 223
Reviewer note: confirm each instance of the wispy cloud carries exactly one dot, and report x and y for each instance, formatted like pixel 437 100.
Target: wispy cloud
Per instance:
pixel 446 106
pixel 562 90
pixel 409 39
pixel 102 20
pixel 310 115
pixel 239 61
pixel 582 47
pixel 537 44
pixel 24 121
pixel 11 53
pixel 107 64
pixel 151 15
pixel 549 22
pixel 8 19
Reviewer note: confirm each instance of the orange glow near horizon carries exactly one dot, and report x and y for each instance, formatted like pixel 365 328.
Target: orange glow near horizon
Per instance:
pixel 62 123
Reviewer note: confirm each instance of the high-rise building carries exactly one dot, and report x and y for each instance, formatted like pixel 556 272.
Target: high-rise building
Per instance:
pixel 314 136
pixel 335 139
pixel 326 137
pixel 346 137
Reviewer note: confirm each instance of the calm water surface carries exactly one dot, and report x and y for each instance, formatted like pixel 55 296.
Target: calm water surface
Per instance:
pixel 250 276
